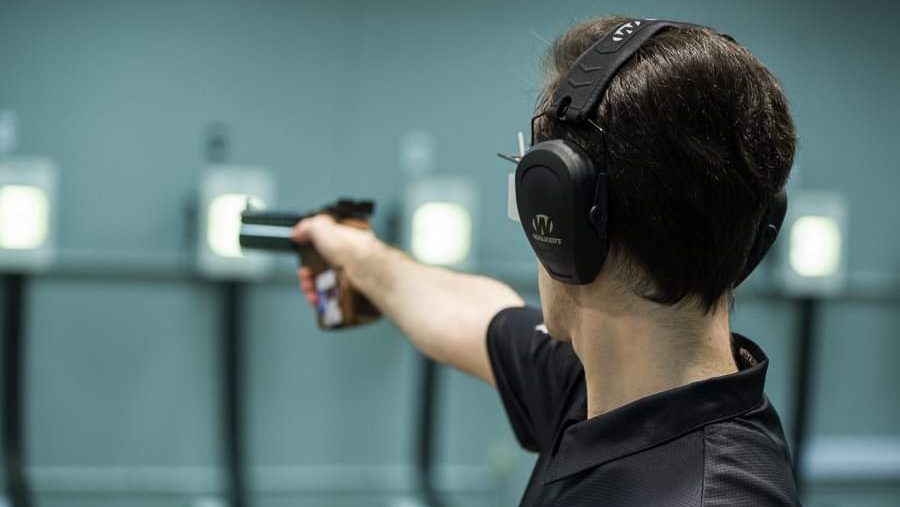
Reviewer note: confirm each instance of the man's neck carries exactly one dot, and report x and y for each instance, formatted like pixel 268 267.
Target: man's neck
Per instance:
pixel 639 350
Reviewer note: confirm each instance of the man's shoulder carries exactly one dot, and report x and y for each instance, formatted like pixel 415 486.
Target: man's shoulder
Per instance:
pixel 517 320
pixel 535 374
pixel 746 461
pixel 734 462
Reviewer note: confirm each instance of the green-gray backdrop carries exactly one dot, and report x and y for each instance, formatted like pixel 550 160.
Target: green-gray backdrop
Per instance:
pixel 122 395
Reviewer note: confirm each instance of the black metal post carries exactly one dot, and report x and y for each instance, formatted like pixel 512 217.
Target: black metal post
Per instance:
pixel 232 374
pixel 14 389
pixel 805 372
pixel 426 433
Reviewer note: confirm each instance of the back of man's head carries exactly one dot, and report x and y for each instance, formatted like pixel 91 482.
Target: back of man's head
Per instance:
pixel 697 139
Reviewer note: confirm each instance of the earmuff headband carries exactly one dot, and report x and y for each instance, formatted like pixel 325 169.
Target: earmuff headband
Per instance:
pixel 582 89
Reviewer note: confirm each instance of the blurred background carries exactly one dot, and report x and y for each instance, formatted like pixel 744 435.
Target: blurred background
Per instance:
pixel 121 109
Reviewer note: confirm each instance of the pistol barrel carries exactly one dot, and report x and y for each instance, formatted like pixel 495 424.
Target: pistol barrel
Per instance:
pixel 271 230
pixel 268 230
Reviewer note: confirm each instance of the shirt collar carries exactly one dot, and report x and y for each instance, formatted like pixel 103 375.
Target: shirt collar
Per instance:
pixel 661 417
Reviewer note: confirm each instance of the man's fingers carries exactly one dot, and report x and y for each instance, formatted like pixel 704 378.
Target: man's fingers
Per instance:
pixel 307 286
pixel 304 231
pixel 304 274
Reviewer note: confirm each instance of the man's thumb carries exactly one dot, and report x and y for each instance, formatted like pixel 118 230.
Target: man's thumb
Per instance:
pixel 306 229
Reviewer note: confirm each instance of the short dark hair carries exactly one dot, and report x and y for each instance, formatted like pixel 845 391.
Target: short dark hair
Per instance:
pixel 697 138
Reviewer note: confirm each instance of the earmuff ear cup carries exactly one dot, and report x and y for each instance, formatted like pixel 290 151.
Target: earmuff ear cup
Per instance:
pixel 555 187
pixel 768 231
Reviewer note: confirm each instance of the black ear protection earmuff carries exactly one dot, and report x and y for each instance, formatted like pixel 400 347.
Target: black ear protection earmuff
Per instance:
pixel 561 193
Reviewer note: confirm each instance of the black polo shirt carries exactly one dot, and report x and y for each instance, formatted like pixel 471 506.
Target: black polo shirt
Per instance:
pixel 717 442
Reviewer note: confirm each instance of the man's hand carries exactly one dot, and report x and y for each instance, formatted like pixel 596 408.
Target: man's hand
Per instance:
pixel 444 314
pixel 337 244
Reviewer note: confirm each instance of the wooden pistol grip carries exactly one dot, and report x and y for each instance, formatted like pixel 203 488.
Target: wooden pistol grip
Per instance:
pixel 341 305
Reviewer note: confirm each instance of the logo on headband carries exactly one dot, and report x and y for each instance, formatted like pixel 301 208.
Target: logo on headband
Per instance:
pixel 542 226
pixel 626 30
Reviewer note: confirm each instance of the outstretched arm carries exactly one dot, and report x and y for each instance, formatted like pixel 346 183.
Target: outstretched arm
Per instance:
pixel 445 314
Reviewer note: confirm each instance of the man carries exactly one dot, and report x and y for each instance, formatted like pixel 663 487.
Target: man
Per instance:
pixel 629 384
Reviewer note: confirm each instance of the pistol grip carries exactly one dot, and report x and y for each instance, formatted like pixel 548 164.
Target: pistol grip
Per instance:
pixel 340 304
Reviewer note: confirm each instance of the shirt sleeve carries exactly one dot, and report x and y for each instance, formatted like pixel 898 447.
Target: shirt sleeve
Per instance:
pixel 534 374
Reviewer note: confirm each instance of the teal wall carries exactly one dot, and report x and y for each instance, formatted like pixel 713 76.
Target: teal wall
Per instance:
pixel 122 394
